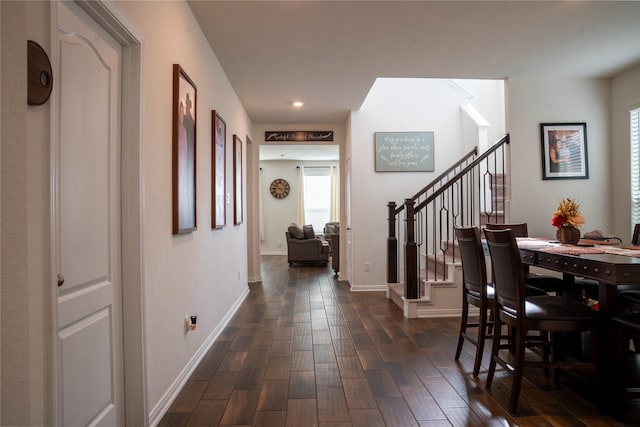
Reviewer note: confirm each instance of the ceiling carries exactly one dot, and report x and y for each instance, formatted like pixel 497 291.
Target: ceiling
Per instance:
pixel 329 53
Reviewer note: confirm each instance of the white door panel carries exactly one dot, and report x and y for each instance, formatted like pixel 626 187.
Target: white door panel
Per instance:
pixel 85 145
pixel 94 298
pixel 89 382
pixel 84 366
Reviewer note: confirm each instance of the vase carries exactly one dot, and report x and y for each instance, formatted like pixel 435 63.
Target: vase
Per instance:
pixel 568 234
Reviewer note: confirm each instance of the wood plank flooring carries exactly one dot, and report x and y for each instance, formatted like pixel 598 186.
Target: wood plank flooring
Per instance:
pixel 303 350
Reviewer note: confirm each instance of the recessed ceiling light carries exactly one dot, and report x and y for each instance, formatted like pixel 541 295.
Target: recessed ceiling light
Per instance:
pixel 297 104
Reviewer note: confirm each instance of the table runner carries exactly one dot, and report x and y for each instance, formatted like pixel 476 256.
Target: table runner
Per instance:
pixel 572 250
pixel 554 247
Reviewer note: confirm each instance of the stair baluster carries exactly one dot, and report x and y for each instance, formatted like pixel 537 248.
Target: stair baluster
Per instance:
pixel 470 192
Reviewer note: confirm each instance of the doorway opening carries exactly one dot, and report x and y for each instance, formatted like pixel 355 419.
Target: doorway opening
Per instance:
pixel 312 175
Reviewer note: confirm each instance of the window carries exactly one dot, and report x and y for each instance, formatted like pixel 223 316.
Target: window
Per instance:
pixel 634 132
pixel 317 196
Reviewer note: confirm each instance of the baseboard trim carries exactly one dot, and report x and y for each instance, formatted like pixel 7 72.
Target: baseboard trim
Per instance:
pixel 273 253
pixel 255 279
pixel 369 288
pixel 170 395
pixel 426 313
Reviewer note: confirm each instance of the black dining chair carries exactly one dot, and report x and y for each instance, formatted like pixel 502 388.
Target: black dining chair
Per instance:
pixel 627 381
pixel 477 292
pixel 541 281
pixel 635 238
pixel 532 321
pixel 629 295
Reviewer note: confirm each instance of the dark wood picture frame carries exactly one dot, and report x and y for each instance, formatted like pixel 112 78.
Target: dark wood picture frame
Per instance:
pixel 184 152
pixel 564 151
pixel 218 171
pixel 237 180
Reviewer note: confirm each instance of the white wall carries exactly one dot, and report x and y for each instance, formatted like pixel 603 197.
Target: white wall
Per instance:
pixel 625 95
pixel 25 297
pixel 252 213
pixel 486 96
pixel 531 101
pixel 279 213
pixel 405 105
pixel 202 273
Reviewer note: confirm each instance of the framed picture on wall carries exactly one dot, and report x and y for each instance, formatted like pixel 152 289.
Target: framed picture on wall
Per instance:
pixel 237 180
pixel 218 170
pixel 564 151
pixel 404 152
pixel 184 152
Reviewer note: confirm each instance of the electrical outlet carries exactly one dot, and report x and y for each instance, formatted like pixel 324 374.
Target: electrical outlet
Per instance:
pixel 190 322
pixel 367 266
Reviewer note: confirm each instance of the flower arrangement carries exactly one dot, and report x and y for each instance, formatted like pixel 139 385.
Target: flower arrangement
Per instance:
pixel 592 303
pixel 567 214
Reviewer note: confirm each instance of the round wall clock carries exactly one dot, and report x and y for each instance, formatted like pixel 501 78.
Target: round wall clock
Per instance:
pixel 279 188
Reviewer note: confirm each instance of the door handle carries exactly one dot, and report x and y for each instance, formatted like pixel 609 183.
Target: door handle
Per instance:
pixel 60 280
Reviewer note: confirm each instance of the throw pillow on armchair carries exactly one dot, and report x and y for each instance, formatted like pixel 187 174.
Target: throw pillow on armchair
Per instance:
pixel 308 232
pixel 295 231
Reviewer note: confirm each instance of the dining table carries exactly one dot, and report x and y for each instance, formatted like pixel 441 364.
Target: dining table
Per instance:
pixel 612 267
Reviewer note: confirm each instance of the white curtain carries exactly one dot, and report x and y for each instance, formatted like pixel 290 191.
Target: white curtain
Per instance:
pixel 260 210
pixel 301 196
pixel 335 194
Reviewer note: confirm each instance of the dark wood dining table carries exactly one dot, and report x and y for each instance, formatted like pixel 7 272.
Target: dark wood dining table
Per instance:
pixel 612 267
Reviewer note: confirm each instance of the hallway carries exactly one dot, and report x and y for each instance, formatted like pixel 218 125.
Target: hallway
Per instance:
pixel 303 350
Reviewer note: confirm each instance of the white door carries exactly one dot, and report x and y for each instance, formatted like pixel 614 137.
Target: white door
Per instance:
pixel 89 381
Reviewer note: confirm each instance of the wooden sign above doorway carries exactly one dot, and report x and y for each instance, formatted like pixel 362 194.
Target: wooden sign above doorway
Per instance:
pixel 299 135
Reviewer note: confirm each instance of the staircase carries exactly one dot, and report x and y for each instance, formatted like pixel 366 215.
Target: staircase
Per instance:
pixel 499 196
pixel 473 191
pixel 439 287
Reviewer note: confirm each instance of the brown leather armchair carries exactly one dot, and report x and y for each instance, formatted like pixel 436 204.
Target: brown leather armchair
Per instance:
pixel 332 228
pixel 307 250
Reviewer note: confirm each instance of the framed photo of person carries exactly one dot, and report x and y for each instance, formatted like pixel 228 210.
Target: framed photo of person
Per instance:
pixel 237 180
pixel 564 151
pixel 218 170
pixel 184 152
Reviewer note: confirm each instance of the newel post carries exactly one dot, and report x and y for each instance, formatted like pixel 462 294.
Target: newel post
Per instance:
pixel 410 253
pixel 392 245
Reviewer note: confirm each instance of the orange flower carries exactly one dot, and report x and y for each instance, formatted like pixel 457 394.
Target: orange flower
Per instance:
pixel 568 213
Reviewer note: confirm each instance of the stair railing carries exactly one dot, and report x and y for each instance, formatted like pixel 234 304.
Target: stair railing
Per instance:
pixel 394 210
pixel 470 192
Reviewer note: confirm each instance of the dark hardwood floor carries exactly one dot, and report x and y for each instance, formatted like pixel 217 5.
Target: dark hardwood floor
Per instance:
pixel 303 350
